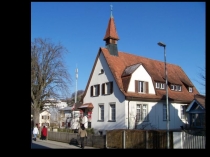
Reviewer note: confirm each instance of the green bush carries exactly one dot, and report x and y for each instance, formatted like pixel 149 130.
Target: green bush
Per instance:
pixel 90 131
pixel 65 130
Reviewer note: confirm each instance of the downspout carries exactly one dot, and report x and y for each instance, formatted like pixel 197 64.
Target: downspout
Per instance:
pixel 128 113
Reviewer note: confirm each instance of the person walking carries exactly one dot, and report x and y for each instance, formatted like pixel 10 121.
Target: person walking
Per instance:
pixel 35 132
pixel 44 133
pixel 83 134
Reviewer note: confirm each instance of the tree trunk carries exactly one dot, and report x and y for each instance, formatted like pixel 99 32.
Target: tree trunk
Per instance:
pixel 36 114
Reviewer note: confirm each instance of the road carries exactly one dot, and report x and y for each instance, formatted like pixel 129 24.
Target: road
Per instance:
pixel 48 144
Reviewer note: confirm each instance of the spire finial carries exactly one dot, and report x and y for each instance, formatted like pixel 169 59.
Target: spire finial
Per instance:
pixel 111 10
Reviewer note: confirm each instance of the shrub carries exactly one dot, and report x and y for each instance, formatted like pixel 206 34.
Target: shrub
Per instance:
pixel 65 130
pixel 90 131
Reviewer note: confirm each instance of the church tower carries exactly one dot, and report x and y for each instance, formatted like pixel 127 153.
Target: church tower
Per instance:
pixel 111 36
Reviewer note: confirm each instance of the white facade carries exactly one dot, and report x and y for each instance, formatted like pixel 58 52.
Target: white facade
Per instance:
pixel 143 77
pixel 117 97
pixel 56 103
pixel 125 120
pixel 69 119
pixel 44 118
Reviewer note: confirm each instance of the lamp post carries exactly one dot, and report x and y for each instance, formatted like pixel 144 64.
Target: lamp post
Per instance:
pixel 166 86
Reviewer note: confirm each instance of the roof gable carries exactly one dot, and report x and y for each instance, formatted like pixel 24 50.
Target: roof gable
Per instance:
pixel 120 66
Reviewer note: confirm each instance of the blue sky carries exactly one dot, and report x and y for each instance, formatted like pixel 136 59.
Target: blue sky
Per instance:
pixel 81 26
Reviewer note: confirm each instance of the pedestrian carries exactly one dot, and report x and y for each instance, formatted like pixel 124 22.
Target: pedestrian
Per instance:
pixel 35 132
pixel 44 133
pixel 83 134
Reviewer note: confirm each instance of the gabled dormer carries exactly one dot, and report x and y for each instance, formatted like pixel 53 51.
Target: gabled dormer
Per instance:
pixel 136 79
pixel 188 85
pixel 111 37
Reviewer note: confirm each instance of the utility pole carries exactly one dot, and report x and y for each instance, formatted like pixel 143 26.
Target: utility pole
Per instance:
pixel 76 73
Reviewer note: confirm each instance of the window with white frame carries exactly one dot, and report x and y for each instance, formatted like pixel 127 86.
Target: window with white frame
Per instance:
pixel 172 87
pixel 179 88
pixel 160 85
pixel 165 112
pixel 112 112
pixel 176 87
pixel 142 112
pixel 95 90
pixel 190 89
pixel 183 111
pixel 157 85
pixel 101 112
pixel 141 86
pixel 107 88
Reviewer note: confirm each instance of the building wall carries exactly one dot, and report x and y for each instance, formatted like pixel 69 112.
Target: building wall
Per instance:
pixel 155 112
pixel 44 113
pixel 116 97
pixel 59 104
pixel 141 74
pixel 155 109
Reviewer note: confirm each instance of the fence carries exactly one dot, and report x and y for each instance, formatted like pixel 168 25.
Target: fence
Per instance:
pixel 135 139
pixel 138 139
pixel 96 141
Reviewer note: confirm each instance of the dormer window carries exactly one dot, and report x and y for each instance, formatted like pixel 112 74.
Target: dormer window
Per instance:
pixel 176 87
pixel 190 89
pixel 141 86
pixel 172 87
pixel 160 85
pixel 157 85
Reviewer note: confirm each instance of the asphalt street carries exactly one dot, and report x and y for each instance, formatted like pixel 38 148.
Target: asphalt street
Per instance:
pixel 48 144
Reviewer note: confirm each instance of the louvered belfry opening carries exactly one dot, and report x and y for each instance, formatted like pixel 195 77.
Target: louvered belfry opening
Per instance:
pixel 111 37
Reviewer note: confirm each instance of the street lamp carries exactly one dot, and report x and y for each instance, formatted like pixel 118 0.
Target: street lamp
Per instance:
pixel 166 86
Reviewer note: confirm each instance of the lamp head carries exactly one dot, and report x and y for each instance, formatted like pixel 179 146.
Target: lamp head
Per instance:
pixel 161 44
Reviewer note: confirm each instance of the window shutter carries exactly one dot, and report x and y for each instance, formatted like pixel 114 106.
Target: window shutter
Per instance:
pixel 91 91
pixel 98 89
pixel 136 86
pixel 42 117
pixel 111 87
pixel 103 88
pixel 146 87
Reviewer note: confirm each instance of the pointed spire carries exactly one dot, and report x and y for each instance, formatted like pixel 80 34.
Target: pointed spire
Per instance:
pixel 111 32
pixel 111 36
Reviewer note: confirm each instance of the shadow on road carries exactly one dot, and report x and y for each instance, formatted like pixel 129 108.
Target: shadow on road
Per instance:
pixel 37 146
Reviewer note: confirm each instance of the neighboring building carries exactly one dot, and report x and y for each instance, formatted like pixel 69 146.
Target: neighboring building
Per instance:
pixel 196 112
pixel 55 103
pixel 70 117
pixel 44 118
pixel 126 91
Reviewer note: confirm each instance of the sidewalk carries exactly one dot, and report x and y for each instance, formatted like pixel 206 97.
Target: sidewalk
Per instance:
pixel 57 145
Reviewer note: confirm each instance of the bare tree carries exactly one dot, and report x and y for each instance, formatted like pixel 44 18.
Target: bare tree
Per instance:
pixel 202 76
pixel 49 76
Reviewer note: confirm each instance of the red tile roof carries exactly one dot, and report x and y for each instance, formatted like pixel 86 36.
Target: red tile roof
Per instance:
pixel 86 105
pixel 156 70
pixel 119 66
pixel 111 31
pixel 201 99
